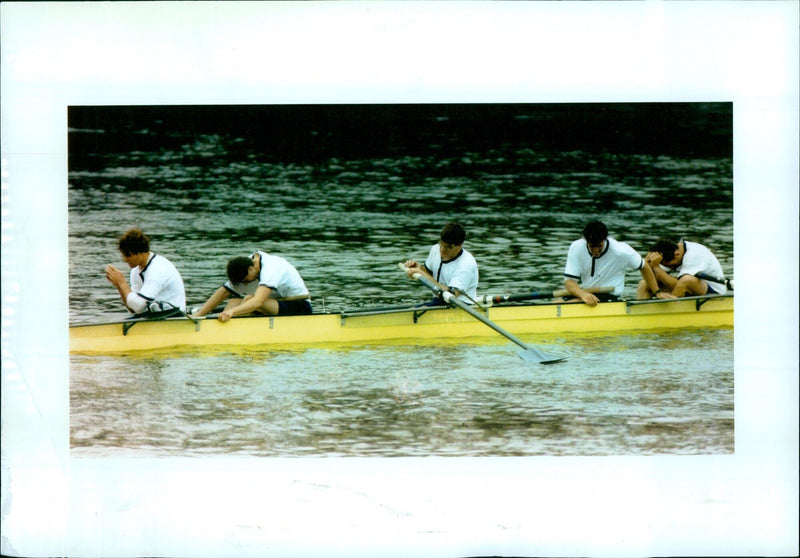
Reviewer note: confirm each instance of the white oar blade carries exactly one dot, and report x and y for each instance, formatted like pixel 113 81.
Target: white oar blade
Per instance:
pixel 532 355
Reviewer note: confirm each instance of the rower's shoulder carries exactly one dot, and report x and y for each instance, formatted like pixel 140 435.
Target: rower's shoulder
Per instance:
pixel 469 256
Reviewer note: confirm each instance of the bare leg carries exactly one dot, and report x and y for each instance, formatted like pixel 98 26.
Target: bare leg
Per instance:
pixel 643 292
pixel 269 307
pixel 689 285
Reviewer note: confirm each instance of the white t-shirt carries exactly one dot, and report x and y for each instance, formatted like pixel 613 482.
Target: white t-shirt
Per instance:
pixel 277 274
pixel 607 270
pixel 160 281
pixel 699 259
pixel 460 273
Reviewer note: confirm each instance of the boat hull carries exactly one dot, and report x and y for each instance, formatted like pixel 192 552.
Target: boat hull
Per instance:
pixel 439 325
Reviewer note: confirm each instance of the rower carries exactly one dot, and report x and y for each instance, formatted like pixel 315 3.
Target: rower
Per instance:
pixel 687 260
pixel 152 277
pixel 597 260
pixel 449 265
pixel 263 284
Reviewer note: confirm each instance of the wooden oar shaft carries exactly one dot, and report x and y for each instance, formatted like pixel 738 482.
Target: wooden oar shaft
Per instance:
pixel 500 298
pixel 497 299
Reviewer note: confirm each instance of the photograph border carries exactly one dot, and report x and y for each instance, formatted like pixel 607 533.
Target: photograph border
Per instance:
pixel 59 54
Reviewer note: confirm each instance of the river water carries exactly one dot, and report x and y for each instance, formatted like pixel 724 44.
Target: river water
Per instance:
pixel 344 193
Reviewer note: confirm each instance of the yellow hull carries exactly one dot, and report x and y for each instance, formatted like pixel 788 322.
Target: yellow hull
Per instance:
pixel 384 326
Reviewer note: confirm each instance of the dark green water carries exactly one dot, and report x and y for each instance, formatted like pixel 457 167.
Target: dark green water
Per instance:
pixel 345 193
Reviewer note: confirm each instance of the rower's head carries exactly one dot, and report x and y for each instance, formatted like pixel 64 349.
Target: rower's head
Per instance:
pixel 451 240
pixel 134 246
pixel 242 270
pixel 669 250
pixel 595 233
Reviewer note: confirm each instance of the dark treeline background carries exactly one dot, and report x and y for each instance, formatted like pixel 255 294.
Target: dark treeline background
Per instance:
pixel 313 133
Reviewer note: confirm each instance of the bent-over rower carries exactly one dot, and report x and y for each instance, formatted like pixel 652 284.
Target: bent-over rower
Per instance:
pixel 262 283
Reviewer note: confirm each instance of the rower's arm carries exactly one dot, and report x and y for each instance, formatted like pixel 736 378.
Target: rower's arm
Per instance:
pixel 649 277
pixel 664 278
pixel 251 304
pixel 117 278
pixel 575 290
pixel 213 301
pixel 668 281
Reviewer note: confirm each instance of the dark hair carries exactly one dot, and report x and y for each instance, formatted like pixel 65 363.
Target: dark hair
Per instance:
pixel 134 242
pixel 666 247
pixel 238 268
pixel 453 233
pixel 595 232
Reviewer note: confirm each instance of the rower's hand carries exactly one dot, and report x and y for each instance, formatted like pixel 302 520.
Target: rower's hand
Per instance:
pixel 413 267
pixel 225 316
pixel 589 298
pixel 115 276
pixel 653 259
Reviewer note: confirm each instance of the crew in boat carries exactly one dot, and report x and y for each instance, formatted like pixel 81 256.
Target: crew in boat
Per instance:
pixel 155 283
pixel 685 259
pixel 596 260
pixel 450 265
pixel 260 284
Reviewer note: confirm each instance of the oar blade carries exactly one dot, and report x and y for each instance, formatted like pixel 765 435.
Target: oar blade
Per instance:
pixel 532 355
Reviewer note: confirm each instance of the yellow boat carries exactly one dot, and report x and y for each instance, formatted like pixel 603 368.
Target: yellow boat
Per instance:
pixel 397 325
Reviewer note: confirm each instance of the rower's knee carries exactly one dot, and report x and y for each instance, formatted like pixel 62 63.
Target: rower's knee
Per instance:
pixel 643 291
pixel 270 307
pixel 691 285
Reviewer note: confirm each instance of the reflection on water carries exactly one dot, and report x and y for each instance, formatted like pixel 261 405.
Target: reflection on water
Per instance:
pixel 432 400
pixel 344 193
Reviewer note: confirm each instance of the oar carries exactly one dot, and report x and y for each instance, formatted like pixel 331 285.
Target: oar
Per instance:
pixel 496 299
pixel 530 354
pixel 128 324
pixel 721 280
pixel 162 303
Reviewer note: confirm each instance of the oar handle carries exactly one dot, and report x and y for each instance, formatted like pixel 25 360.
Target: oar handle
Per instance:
pixel 405 269
pixel 422 279
pixel 721 280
